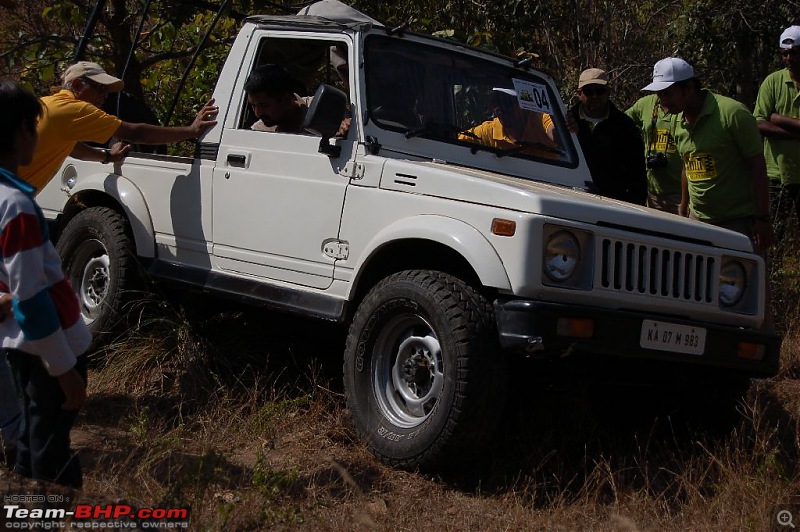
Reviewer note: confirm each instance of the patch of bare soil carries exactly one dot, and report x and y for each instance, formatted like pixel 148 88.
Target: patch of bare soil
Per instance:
pixel 269 446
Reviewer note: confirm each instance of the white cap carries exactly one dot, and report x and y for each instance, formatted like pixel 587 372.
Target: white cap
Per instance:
pixel 93 71
pixel 668 71
pixel 790 38
pixel 510 92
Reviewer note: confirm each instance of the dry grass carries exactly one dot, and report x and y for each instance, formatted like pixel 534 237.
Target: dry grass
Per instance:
pixel 241 417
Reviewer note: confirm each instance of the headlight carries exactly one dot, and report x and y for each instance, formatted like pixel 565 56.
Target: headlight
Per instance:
pixel 732 283
pixel 561 256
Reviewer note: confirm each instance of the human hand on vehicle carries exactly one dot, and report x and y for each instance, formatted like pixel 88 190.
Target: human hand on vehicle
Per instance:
pixel 344 127
pixel 205 119
pixel 118 152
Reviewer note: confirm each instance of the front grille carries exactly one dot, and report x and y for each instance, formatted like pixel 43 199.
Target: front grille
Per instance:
pixel 642 269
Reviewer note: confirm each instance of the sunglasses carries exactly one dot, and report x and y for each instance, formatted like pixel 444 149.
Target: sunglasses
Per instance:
pixel 790 52
pixel 99 87
pixel 594 92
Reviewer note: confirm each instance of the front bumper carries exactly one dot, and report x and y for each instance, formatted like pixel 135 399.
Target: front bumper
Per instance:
pixel 532 327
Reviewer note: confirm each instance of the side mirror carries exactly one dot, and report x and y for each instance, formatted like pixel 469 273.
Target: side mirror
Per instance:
pixel 325 115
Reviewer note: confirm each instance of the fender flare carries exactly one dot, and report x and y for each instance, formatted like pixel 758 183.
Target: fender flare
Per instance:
pixel 457 235
pixel 127 195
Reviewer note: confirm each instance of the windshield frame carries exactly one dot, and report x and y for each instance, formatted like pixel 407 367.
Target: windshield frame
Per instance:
pixel 433 68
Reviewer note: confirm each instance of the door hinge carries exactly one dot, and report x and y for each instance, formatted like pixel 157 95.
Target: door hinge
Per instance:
pixel 353 170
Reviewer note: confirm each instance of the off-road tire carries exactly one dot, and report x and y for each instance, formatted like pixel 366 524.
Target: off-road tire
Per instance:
pixel 424 378
pixel 99 260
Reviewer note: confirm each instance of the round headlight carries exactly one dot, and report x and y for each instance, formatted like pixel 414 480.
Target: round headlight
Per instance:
pixel 561 256
pixel 732 282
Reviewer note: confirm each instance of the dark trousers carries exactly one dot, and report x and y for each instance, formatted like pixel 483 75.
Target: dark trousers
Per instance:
pixel 783 201
pixel 43 448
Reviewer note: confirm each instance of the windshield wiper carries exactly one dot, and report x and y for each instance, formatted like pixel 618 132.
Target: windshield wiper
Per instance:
pixel 521 146
pixel 436 129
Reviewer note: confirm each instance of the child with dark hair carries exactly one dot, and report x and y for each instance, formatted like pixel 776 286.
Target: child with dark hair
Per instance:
pixel 43 336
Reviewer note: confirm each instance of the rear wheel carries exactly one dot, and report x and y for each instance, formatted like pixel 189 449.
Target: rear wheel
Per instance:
pixel 99 261
pixel 424 378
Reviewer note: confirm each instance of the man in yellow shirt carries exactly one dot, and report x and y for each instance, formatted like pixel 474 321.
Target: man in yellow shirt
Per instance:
pixel 72 117
pixel 513 128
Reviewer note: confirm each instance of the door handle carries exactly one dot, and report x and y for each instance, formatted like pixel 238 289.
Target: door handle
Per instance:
pixel 237 159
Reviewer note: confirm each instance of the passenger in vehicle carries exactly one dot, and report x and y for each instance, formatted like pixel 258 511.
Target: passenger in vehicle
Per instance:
pixel 272 95
pixel 514 128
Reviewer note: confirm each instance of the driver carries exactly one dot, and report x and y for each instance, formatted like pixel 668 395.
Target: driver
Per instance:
pixel 514 128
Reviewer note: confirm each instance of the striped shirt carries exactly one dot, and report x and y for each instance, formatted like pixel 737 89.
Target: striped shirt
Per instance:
pixel 47 321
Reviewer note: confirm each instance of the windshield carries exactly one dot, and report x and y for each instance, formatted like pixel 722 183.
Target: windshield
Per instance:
pixel 441 94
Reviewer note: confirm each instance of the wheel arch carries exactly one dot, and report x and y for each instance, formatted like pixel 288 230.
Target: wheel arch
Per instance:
pixel 109 192
pixel 431 242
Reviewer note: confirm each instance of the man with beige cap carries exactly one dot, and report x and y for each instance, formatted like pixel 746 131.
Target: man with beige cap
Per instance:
pixel 73 116
pixel 610 140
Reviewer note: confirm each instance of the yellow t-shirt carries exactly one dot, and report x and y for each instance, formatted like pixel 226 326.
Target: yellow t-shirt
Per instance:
pixel 65 122
pixel 492 133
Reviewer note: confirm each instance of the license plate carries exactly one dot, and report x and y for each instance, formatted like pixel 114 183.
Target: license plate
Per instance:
pixel 665 336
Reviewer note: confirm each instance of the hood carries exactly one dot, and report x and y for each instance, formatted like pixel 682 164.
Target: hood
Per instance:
pixel 488 188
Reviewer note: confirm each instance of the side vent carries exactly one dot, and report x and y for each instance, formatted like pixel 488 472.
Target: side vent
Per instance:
pixel 405 179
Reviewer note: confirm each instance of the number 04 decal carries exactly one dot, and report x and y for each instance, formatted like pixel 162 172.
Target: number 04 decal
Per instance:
pixel 532 96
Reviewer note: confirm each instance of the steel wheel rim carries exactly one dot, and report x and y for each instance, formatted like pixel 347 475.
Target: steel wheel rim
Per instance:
pixel 408 370
pixel 94 279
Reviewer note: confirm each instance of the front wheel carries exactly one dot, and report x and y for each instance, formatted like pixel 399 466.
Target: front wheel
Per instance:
pixel 423 375
pixel 98 258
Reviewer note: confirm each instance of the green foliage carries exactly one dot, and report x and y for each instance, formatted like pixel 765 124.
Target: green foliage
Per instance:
pixel 730 42
pixel 272 481
pixel 265 417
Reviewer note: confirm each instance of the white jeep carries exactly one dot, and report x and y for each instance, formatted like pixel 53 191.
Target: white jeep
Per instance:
pixel 445 255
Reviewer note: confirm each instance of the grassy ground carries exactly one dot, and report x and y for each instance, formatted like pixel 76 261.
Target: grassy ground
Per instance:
pixel 241 417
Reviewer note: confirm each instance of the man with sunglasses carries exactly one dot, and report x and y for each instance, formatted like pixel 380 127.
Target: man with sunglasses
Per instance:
pixel 610 140
pixel 777 111
pixel 73 117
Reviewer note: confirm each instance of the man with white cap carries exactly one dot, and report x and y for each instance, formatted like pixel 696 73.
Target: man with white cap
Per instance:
pixel 724 179
pixel 777 111
pixel 610 140
pixel 73 116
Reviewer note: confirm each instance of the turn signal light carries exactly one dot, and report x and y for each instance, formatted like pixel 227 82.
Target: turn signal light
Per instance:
pixel 751 351
pixel 501 227
pixel 575 327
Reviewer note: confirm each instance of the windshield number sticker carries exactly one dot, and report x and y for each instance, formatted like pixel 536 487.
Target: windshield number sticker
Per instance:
pixel 532 96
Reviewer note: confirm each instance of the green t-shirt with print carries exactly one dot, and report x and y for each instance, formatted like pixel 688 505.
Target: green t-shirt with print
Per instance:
pixel 716 150
pixel 659 137
pixel 779 94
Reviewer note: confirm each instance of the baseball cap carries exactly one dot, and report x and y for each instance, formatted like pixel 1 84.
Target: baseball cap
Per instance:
pixel 592 76
pixel 790 38
pixel 93 71
pixel 509 92
pixel 668 71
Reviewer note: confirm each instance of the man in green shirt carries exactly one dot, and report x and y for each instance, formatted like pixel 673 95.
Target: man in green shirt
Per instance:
pixel 778 114
pixel 724 178
pixel 664 164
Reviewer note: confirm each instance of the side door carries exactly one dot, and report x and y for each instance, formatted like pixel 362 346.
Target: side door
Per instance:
pixel 277 201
